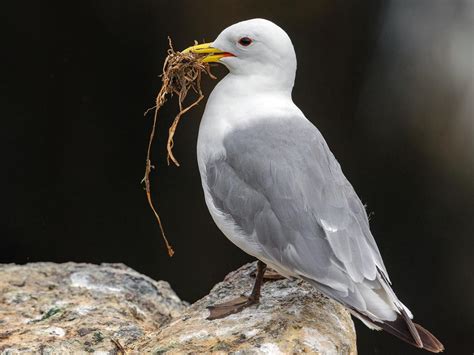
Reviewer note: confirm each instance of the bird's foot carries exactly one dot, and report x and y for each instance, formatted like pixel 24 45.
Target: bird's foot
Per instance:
pixel 225 309
pixel 269 275
pixel 272 275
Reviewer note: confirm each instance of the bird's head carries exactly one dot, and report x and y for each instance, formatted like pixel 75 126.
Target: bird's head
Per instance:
pixel 256 48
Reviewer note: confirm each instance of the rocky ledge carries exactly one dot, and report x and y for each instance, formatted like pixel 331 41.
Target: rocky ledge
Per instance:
pixel 111 309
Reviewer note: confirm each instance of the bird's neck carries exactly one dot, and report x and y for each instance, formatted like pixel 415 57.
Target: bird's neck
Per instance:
pixel 241 85
pixel 239 102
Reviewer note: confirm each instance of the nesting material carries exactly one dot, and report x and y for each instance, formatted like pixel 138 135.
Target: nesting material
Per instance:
pixel 182 73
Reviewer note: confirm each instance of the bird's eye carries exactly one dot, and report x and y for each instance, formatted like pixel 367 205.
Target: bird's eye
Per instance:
pixel 245 41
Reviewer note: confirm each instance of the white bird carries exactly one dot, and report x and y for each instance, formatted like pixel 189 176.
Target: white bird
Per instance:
pixel 276 191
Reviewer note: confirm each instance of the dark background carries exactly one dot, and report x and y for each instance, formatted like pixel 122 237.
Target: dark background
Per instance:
pixel 389 84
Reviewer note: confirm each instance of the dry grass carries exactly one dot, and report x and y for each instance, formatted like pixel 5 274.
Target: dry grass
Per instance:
pixel 182 73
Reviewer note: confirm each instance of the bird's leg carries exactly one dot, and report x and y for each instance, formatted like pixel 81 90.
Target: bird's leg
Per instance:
pixel 255 295
pixel 225 309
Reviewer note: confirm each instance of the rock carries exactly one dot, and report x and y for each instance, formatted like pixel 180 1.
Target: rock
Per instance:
pixel 292 317
pixel 46 307
pixel 110 308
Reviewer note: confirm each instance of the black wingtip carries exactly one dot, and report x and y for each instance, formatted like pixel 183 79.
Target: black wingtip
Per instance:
pixel 412 333
pixel 430 342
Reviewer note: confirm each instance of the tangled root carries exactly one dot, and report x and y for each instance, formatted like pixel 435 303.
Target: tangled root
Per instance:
pixel 182 72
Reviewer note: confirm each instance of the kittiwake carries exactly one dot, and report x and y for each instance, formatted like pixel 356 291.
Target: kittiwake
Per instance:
pixel 276 191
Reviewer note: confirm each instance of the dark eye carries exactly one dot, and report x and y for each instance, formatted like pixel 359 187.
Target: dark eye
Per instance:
pixel 245 41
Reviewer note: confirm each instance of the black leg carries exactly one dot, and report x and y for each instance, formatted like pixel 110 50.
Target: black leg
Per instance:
pixel 223 310
pixel 257 286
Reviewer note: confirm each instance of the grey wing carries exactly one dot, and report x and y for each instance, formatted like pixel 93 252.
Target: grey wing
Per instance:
pixel 279 183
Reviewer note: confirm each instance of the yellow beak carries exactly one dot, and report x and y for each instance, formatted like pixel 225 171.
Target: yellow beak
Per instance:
pixel 213 54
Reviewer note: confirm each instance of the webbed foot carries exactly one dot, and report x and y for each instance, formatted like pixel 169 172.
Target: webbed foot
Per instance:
pixel 225 309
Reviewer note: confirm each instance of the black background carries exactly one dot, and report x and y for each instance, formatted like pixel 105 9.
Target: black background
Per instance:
pixel 77 77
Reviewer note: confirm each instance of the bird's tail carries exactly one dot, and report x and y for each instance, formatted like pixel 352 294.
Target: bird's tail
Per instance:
pixel 405 329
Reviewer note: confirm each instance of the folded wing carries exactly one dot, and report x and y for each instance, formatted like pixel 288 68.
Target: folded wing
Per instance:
pixel 281 185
